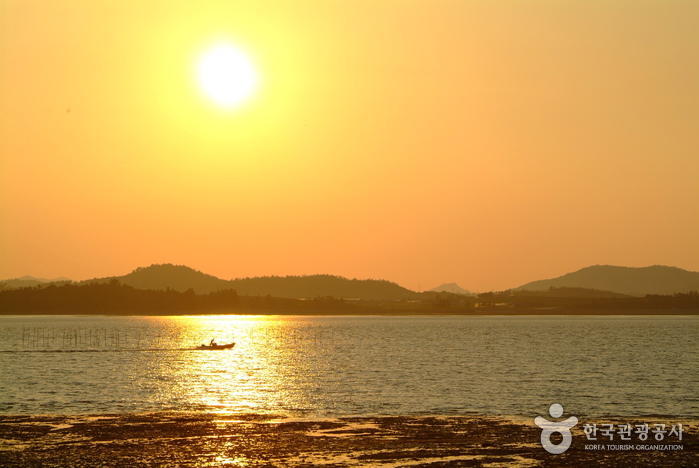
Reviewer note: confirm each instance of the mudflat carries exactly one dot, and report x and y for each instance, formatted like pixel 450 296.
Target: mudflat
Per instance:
pixel 214 440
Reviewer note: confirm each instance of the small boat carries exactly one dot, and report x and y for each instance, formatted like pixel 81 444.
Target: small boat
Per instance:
pixel 216 346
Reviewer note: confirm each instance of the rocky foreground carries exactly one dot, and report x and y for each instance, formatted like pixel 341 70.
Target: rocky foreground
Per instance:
pixel 210 440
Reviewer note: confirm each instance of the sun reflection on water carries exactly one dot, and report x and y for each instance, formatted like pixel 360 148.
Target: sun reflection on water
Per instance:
pixel 256 376
pixel 221 460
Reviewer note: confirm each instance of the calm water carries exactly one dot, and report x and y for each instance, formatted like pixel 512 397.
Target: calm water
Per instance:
pixel 332 366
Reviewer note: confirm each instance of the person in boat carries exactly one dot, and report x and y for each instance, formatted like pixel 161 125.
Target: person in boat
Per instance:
pixel 212 343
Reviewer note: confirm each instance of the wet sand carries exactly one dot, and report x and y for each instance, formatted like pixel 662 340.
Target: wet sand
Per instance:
pixel 211 440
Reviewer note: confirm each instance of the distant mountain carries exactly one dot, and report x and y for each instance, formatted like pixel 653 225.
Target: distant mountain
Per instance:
pixel 177 277
pixel 181 278
pixel 321 286
pixel 28 282
pixel 43 280
pixel 625 280
pixel 452 288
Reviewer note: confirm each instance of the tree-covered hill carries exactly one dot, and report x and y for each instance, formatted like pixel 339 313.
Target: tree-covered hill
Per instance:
pixel 625 280
pixel 181 278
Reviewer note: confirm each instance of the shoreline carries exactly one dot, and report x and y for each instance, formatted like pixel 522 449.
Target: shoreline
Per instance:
pixel 548 312
pixel 253 440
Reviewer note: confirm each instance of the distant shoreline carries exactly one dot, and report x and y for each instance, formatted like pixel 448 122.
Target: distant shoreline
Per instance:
pixel 116 298
pixel 383 312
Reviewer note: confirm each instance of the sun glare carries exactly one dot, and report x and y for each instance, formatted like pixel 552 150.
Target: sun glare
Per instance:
pixel 226 75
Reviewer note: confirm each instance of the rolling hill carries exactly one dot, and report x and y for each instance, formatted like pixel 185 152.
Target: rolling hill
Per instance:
pixel 29 282
pixel 177 277
pixel 625 280
pixel 601 278
pixel 181 278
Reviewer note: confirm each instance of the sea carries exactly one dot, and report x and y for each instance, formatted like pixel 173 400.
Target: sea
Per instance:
pixel 334 366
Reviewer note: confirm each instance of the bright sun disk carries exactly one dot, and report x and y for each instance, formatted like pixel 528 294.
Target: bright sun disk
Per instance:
pixel 226 75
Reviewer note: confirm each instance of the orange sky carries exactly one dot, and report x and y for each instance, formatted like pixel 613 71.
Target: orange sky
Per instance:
pixel 488 143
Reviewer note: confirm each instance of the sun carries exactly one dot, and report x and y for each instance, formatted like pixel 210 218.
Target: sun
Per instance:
pixel 226 75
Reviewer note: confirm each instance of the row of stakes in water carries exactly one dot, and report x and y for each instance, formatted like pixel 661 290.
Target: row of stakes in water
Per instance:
pixel 100 338
pixel 38 338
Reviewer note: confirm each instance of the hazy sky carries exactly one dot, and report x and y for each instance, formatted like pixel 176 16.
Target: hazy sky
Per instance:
pixel 488 143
